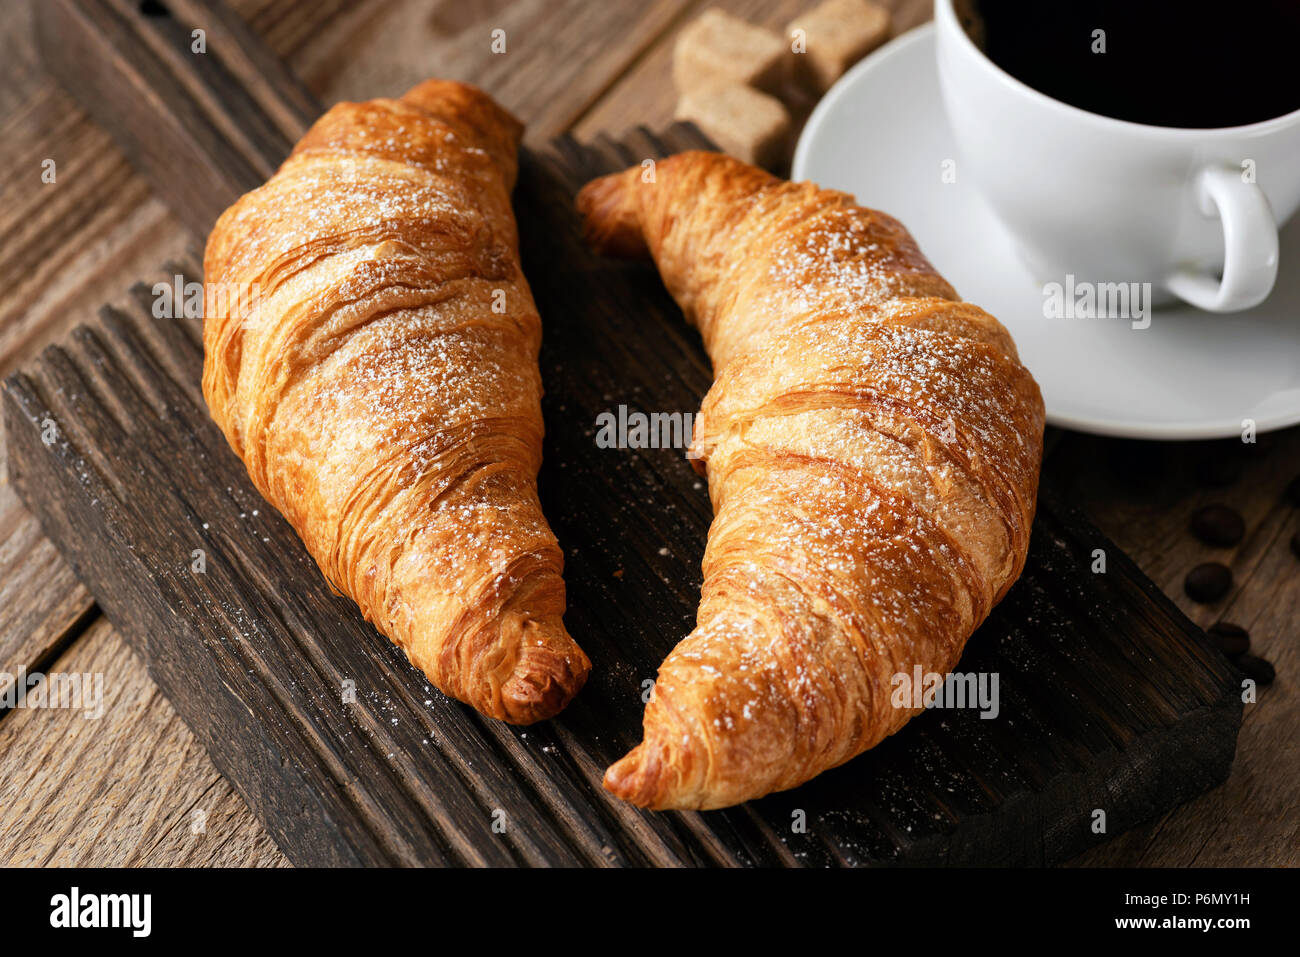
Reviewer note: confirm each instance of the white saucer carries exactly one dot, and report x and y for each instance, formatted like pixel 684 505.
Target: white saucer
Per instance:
pixel 882 134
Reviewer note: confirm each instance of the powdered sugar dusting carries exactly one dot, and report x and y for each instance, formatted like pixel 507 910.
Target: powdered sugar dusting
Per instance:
pixel 872 447
pixel 384 388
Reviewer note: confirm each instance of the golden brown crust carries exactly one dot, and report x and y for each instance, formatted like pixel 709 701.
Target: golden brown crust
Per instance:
pixel 872 446
pixel 371 353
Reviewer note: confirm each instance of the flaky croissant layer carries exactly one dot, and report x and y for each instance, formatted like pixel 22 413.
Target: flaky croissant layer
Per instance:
pixel 379 379
pixel 872 447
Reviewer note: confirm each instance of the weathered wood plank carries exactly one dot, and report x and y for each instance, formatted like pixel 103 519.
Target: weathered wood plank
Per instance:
pixel 1143 495
pixel 76 243
pixel 42 604
pixel 560 57
pixel 138 792
pixel 175 121
pixel 67 243
pixel 204 127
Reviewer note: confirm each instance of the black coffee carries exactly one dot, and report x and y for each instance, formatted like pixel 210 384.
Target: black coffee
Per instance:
pixel 1189 63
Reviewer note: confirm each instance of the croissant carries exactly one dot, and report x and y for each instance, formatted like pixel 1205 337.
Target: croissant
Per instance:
pixel 872 446
pixel 371 354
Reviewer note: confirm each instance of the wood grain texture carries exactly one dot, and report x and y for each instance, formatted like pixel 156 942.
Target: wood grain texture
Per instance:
pixel 1144 494
pixel 254 652
pixel 42 604
pixel 195 123
pixel 171 110
pixel 561 56
pixel 67 243
pixel 78 242
pixel 140 792
pixel 64 243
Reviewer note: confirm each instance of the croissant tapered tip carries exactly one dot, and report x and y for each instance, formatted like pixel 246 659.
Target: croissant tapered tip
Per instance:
pixel 611 223
pixel 643 777
pixel 545 679
pixel 627 779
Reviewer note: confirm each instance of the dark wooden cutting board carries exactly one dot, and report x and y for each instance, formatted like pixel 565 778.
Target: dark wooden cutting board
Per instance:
pixel 1110 699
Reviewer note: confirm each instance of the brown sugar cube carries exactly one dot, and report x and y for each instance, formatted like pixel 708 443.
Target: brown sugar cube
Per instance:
pixel 749 125
pixel 834 36
pixel 718 49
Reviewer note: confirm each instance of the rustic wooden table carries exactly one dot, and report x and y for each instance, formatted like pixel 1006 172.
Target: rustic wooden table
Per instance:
pixel 130 787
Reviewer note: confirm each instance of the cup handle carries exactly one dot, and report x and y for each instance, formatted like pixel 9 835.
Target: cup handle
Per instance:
pixel 1249 244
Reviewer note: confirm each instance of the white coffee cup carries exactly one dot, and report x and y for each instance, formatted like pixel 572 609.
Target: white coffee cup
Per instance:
pixel 1194 212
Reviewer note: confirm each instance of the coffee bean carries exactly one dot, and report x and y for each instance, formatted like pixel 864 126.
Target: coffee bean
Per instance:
pixel 1218 469
pixel 1293 492
pixel 1207 583
pixel 1231 639
pixel 1257 669
pixel 1218 525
